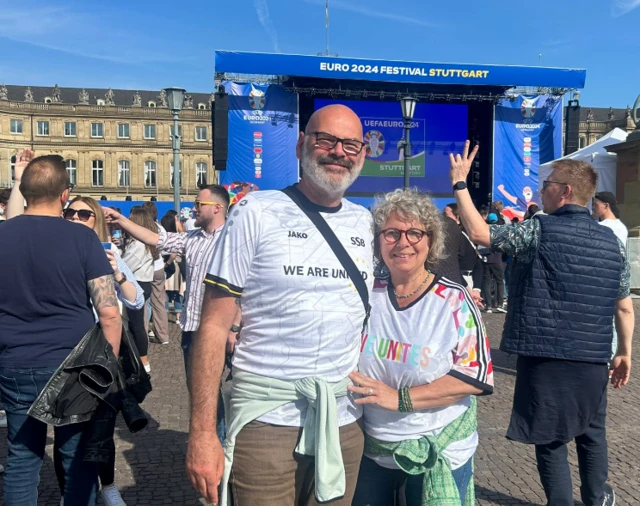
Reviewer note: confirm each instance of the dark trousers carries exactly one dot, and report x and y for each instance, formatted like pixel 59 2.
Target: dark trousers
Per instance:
pixel 136 322
pixel 27 438
pixel 379 486
pixel 493 273
pixel 553 464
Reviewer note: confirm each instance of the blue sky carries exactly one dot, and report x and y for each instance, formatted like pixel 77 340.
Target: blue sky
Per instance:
pixel 143 44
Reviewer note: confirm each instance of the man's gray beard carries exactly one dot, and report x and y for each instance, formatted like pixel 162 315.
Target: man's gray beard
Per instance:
pixel 319 178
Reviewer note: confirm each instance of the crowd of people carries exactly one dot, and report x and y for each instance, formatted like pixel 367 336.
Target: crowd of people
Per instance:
pixel 352 341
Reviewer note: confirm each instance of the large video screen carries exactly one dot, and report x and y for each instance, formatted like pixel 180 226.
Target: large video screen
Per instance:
pixel 436 131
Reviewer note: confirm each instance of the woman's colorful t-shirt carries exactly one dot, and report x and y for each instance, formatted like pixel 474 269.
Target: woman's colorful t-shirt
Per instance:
pixel 440 333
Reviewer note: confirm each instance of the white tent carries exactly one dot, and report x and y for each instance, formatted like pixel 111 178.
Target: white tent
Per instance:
pixel 604 162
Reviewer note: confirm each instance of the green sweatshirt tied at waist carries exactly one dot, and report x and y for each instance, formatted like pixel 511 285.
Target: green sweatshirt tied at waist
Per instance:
pixel 424 456
pixel 252 396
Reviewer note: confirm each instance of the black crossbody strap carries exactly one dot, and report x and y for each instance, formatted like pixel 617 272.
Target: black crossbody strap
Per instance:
pixel 341 253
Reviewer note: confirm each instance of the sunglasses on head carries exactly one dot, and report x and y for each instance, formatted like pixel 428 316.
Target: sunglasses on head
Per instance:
pixel 83 214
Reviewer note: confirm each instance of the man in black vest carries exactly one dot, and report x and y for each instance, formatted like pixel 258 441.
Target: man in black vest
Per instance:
pixel 570 278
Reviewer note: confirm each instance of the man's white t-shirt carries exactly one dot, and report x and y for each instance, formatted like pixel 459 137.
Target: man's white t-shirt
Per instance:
pixel 618 228
pixel 190 224
pixel 439 334
pixel 301 315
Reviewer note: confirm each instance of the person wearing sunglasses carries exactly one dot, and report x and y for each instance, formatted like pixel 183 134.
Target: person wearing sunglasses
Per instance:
pixel 88 212
pixel 570 278
pixel 55 279
pixel 424 357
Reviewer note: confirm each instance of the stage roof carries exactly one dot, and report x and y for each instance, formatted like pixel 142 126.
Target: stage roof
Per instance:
pixel 329 67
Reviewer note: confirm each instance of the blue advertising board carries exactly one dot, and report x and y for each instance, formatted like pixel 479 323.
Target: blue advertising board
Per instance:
pixel 263 131
pixel 396 71
pixel 436 131
pixel 528 133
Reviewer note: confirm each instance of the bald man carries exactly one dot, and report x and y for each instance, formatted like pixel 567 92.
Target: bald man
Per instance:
pixel 294 434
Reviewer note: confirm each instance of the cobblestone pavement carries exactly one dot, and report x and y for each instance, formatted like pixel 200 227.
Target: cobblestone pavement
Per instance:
pixel 150 465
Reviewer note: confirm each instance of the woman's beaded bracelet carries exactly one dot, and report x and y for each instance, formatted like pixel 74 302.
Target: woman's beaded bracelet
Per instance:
pixel 404 401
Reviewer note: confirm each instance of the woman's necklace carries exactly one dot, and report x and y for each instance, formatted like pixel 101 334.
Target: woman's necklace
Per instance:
pixel 415 291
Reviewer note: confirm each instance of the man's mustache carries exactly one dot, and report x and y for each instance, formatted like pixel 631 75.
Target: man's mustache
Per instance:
pixel 336 161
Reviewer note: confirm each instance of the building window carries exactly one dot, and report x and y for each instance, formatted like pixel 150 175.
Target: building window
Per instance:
pixel 151 103
pixel 201 133
pixel 582 142
pixel 149 174
pixel 69 128
pixel 100 101
pixel 124 173
pixel 202 107
pixel 97 173
pixel 47 100
pixel 72 170
pixel 123 130
pixel 171 176
pixel 12 166
pixel 16 126
pixel 201 174
pixel 43 128
pixel 149 131
pixel 179 131
pixel 97 130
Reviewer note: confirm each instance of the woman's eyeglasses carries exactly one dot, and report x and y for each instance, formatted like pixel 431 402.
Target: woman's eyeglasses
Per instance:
pixel 83 214
pixel 393 235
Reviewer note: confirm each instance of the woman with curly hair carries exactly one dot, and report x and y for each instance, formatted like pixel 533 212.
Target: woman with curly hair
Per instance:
pixel 423 358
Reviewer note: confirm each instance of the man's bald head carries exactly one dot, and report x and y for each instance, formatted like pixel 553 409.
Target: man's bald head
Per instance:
pixel 44 180
pixel 336 119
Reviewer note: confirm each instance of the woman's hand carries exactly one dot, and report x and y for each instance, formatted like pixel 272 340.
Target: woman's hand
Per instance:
pixel 114 263
pixel 373 392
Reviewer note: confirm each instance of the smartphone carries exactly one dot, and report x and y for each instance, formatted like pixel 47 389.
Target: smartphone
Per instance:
pixel 116 235
pixel 106 246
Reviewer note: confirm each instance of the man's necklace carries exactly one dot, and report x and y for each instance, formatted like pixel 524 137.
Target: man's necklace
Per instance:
pixel 415 291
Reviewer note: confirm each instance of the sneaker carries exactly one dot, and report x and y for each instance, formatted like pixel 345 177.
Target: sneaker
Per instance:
pixel 488 310
pixel 3 418
pixel 111 496
pixel 152 334
pixel 609 496
pixel 500 309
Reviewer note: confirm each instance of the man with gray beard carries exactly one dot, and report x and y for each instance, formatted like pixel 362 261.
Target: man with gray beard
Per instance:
pixel 294 435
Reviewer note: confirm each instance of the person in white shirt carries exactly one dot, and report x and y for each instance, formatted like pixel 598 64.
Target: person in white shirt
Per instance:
pixel 424 356
pixel 605 210
pixel 302 323
pixel 140 257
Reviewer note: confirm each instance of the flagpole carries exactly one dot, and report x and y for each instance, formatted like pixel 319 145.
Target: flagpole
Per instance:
pixel 326 18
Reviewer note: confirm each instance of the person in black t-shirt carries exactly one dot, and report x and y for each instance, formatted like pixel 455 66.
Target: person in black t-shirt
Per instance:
pixel 54 273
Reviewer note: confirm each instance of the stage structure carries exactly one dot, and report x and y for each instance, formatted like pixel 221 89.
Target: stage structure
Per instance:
pixel 264 100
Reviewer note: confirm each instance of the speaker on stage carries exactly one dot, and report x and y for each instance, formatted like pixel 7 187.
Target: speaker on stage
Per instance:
pixel 572 126
pixel 220 125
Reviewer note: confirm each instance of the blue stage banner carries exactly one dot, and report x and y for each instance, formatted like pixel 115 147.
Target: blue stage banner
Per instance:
pixel 436 131
pixel 528 133
pixel 396 71
pixel 263 131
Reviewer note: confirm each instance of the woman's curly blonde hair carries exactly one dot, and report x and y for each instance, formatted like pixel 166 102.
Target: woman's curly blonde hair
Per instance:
pixel 411 204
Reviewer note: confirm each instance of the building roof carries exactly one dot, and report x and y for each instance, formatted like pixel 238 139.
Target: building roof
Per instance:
pixel 122 98
pixel 601 114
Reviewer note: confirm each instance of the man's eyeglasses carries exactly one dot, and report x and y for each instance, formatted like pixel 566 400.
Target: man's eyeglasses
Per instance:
pixel 199 203
pixel 83 214
pixel 546 183
pixel 393 235
pixel 328 141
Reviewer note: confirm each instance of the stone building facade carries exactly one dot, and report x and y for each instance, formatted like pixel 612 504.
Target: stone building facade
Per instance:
pixel 598 121
pixel 116 143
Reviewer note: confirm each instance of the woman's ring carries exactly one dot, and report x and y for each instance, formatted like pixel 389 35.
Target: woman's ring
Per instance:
pixel 370 391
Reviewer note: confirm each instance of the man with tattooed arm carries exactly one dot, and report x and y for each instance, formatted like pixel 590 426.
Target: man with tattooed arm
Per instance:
pixel 53 274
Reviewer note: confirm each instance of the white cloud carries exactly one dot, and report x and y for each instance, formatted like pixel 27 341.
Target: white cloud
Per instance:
pixel 262 10
pixel 76 33
pixel 622 7
pixel 370 11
